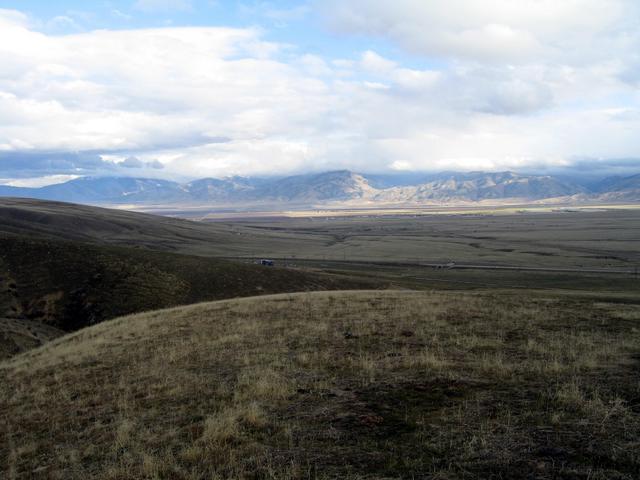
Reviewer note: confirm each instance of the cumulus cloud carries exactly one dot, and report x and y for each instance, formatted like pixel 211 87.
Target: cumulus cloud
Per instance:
pixel 132 162
pixel 35 162
pixel 156 164
pixel 493 30
pixel 36 182
pixel 372 62
pixel 219 101
pixel 135 162
pixel 13 17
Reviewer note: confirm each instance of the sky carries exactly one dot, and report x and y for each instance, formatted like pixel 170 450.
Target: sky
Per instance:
pixel 185 89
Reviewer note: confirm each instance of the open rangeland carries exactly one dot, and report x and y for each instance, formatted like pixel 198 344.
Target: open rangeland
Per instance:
pixel 370 384
pixel 605 238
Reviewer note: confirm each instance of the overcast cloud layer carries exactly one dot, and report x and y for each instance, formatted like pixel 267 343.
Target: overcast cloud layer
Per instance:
pixel 533 84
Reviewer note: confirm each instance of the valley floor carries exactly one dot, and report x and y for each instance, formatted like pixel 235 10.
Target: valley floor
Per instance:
pixel 369 384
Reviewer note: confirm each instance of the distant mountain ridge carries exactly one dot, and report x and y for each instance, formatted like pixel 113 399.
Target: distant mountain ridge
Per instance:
pixel 333 187
pixel 478 186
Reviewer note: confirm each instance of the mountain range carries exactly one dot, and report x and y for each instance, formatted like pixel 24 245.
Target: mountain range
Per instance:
pixel 333 187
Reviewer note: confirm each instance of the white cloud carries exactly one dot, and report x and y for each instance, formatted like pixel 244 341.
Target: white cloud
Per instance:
pixel 132 162
pixel 37 182
pixel 374 63
pixel 493 30
pixel 219 101
pixel 135 162
pixel 314 65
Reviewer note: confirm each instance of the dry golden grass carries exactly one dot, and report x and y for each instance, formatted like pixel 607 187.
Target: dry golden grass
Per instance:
pixel 334 385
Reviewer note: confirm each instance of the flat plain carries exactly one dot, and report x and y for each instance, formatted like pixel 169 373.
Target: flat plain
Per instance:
pixel 567 249
pixel 599 239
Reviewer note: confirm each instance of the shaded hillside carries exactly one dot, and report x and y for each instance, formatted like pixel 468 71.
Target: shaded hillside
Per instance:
pixel 18 335
pixel 352 385
pixel 70 285
pixel 51 275
pixel 67 221
pixel 85 223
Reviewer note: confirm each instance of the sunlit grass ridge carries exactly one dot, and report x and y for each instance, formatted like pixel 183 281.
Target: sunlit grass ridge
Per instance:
pixel 355 385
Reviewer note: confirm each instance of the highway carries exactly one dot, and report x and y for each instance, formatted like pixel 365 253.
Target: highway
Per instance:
pixel 448 266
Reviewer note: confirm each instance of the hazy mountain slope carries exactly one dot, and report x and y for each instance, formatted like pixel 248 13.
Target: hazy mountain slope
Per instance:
pixel 630 195
pixel 104 190
pixel 350 385
pixel 213 189
pixel 338 185
pixel 613 184
pixel 481 186
pixel 327 187
pixel 619 189
pixel 18 192
pixel 384 181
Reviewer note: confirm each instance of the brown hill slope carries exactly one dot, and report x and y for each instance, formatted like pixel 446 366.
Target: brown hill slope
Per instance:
pixel 348 385
pixel 67 221
pixel 70 285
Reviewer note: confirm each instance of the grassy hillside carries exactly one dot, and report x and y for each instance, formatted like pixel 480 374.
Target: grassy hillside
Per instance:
pixel 70 285
pixel 67 221
pixel 334 385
